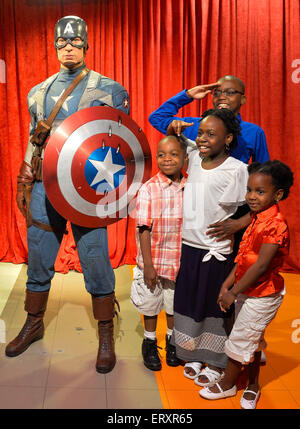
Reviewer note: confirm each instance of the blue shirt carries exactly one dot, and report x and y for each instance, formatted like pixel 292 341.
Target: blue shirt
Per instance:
pixel 251 142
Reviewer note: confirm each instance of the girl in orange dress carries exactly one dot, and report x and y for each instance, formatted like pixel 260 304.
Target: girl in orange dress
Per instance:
pixel 255 284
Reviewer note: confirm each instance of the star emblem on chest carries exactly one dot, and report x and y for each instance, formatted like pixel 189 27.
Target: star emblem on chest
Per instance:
pixel 65 103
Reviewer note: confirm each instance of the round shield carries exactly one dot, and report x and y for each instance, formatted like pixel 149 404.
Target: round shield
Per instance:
pixel 94 164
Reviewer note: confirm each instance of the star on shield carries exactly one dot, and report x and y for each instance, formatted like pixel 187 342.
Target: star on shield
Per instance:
pixel 105 169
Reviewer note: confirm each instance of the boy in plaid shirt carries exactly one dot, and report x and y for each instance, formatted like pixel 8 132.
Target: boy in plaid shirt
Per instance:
pixel 158 237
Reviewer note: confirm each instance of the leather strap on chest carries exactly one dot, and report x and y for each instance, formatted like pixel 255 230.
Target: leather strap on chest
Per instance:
pixel 39 138
pixel 43 127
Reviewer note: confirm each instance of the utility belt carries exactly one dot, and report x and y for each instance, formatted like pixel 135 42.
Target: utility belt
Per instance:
pixel 30 220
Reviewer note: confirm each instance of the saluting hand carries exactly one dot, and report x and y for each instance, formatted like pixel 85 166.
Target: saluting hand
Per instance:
pixel 201 91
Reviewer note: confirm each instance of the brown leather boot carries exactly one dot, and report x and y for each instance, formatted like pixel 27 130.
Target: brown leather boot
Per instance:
pixel 33 329
pixel 104 311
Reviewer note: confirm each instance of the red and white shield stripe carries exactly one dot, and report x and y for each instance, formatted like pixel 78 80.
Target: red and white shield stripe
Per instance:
pixel 97 143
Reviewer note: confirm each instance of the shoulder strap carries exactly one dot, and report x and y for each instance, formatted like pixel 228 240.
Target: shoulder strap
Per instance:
pixel 65 94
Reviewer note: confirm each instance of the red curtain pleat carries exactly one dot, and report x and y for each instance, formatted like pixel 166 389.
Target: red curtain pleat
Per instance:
pixel 154 48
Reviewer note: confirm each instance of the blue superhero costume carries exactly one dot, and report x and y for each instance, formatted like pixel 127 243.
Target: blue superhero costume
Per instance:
pixel 45 229
pixel 92 245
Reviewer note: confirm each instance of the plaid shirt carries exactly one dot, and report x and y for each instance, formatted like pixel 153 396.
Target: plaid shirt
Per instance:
pixel 159 206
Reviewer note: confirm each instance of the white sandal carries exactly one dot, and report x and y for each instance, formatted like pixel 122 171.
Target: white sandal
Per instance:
pixel 249 404
pixel 212 375
pixel 195 366
pixel 208 394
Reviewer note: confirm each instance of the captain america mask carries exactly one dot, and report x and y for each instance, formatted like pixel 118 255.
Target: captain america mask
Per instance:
pixel 76 42
pixel 72 30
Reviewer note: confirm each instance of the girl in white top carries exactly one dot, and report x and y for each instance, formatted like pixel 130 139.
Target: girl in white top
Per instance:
pixel 216 186
pixel 212 192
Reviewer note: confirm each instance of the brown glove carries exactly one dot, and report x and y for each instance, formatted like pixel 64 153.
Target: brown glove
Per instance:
pixel 25 178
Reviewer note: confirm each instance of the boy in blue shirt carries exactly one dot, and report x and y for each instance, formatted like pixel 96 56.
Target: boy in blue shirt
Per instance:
pixel 228 92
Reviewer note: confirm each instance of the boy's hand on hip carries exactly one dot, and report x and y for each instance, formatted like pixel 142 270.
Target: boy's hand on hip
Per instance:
pixel 150 277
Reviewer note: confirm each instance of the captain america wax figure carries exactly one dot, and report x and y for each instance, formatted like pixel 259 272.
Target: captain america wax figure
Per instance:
pixel 45 226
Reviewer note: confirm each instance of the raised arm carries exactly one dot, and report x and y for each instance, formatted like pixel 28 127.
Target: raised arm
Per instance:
pixel 162 117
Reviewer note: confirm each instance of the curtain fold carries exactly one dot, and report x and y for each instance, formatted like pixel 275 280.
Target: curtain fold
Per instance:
pixel 154 48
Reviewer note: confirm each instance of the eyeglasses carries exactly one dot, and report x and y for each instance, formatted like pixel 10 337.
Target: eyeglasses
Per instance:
pixel 226 92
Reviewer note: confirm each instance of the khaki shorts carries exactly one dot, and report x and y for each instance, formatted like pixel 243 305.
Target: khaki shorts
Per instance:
pixel 252 316
pixel 151 303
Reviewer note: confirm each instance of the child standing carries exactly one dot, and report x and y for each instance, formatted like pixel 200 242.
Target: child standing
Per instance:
pixel 158 237
pixel 255 283
pixel 216 186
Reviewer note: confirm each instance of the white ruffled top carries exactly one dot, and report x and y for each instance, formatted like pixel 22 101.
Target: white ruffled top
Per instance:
pixel 211 196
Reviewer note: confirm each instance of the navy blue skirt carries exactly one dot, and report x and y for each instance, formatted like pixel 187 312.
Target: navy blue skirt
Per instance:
pixel 200 327
pixel 198 284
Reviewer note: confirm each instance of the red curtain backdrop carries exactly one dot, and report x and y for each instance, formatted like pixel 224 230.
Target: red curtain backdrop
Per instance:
pixel 154 48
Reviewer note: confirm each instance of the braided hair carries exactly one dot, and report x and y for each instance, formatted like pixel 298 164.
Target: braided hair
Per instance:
pixel 281 174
